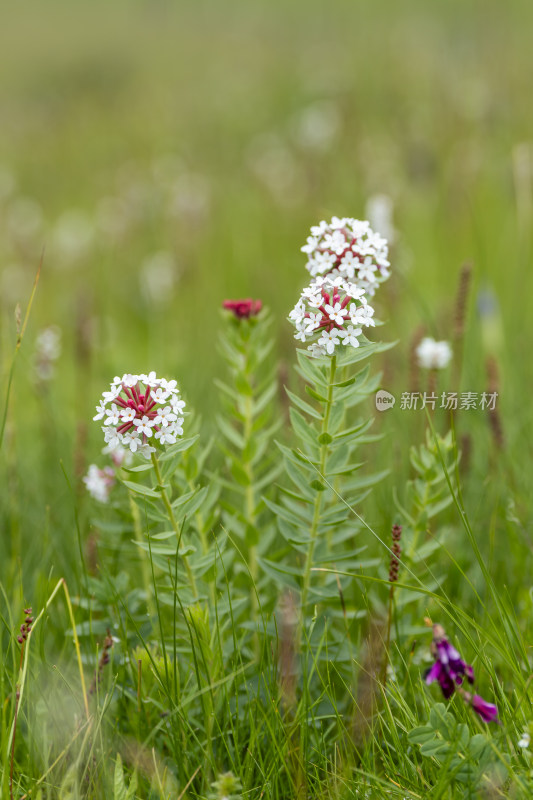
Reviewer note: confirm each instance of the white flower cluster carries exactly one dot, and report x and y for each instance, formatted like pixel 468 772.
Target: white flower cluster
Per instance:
pixel 47 351
pixel 141 410
pixel 347 261
pixel 348 248
pixel 432 354
pixel 525 741
pixel 335 309
pixel 99 482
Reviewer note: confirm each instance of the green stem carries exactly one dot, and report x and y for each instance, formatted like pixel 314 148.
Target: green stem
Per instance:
pixel 168 507
pixel 137 529
pixel 250 504
pixel 324 450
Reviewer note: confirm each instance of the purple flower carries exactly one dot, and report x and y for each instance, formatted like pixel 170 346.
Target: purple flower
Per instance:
pixel 449 668
pixel 487 711
pixel 439 673
pixel 450 671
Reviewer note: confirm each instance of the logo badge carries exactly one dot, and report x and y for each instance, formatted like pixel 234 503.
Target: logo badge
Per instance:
pixel 384 400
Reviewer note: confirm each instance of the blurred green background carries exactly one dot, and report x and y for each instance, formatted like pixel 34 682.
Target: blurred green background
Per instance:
pixel 170 155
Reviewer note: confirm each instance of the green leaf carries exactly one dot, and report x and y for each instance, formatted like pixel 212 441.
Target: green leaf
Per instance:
pixel 442 721
pixel 193 503
pixel 264 399
pixel 302 405
pixel 180 446
pixel 309 369
pixel 303 429
pixel 163 535
pixel 299 478
pixel 140 468
pixel 299 460
pixel 296 496
pixel 119 785
pixel 230 433
pixel 315 395
pixel 165 550
pixel 436 747
pixel 349 434
pixel 477 745
pixel 280 575
pixel 240 474
pixel 284 513
pixel 242 385
pixel 349 382
pixel 140 488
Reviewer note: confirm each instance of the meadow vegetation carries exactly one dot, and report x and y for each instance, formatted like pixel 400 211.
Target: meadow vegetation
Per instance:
pixel 251 610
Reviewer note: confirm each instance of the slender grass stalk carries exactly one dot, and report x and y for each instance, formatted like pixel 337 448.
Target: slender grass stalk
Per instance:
pixel 24 659
pixel 20 336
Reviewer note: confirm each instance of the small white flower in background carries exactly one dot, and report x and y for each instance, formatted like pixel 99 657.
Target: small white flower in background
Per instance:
pixel 432 354
pixel 158 277
pixel 72 237
pixel 317 127
pixel 379 210
pixel 99 482
pixel 331 312
pixel 348 248
pixel 47 351
pixel 525 740
pixel 141 410
pixel 119 455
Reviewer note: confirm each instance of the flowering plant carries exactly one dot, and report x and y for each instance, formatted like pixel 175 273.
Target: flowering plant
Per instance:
pixel 141 410
pixel 243 309
pixel 99 482
pixel 349 248
pixel 333 309
pixel 450 670
pixel 432 354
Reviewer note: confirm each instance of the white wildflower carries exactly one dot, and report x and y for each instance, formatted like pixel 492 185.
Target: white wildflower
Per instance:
pixel 525 740
pixel 158 277
pixel 331 311
pixel 99 482
pixel 379 210
pixel 432 354
pixel 139 408
pixel 47 351
pixel 317 127
pixel 348 248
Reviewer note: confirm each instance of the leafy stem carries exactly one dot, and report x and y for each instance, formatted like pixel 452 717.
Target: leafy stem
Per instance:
pixel 168 507
pixel 324 450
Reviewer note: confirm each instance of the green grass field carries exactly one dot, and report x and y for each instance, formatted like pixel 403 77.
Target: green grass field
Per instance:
pixel 160 158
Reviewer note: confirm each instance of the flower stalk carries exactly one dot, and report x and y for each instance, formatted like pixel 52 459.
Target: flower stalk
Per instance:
pixel 324 451
pixel 168 507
